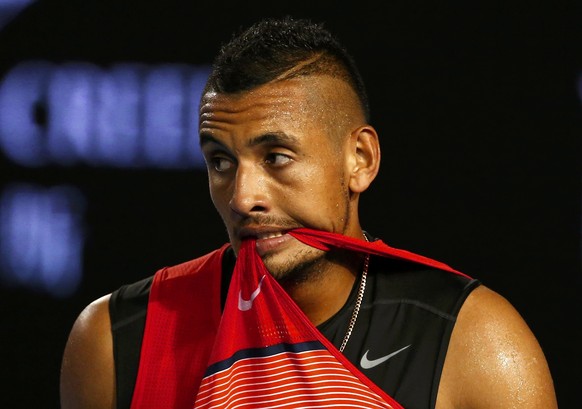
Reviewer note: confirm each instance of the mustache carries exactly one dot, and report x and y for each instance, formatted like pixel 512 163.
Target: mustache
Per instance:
pixel 266 220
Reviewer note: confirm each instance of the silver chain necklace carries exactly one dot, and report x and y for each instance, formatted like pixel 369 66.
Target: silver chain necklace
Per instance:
pixel 361 290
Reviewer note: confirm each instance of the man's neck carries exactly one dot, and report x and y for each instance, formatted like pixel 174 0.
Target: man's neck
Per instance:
pixel 327 289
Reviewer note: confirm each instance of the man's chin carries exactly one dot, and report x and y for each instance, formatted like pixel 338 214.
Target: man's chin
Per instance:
pixel 293 268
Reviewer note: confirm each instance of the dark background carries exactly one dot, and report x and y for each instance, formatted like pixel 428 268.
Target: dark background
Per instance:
pixel 479 117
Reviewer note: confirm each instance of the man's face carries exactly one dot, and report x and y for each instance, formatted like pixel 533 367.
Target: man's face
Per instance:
pixel 273 165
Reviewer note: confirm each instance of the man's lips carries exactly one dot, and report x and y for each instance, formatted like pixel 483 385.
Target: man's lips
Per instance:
pixel 261 233
pixel 272 243
pixel 268 239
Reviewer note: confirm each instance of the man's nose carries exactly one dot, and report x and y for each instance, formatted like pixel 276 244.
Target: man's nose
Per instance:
pixel 250 191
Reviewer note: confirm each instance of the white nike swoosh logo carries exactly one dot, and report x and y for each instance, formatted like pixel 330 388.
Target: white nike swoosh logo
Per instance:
pixel 367 364
pixel 245 305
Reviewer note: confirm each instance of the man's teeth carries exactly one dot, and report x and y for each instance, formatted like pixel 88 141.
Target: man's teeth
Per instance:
pixel 269 235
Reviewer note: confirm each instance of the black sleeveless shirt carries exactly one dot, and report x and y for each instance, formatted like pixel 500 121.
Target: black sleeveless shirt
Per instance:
pixel 399 341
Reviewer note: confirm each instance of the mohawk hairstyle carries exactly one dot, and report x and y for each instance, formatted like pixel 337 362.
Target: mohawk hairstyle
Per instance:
pixel 280 49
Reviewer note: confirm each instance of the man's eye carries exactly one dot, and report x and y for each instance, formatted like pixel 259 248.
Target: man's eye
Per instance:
pixel 277 159
pixel 221 164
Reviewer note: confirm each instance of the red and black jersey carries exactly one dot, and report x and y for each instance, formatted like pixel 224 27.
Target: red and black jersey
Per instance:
pixel 399 341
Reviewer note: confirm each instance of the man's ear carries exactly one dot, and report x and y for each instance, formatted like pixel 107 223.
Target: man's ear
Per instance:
pixel 364 160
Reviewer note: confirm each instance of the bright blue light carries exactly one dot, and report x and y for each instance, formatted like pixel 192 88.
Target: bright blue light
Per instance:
pixel 129 115
pixel 165 125
pixel 72 107
pixel 41 240
pixel 21 92
pixel 118 119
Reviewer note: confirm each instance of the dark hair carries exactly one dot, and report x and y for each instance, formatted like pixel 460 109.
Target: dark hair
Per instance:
pixel 272 47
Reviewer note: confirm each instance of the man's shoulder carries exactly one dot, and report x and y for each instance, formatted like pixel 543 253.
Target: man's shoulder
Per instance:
pixel 490 333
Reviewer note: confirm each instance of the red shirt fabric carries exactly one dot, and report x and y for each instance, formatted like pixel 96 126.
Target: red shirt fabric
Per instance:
pixel 260 351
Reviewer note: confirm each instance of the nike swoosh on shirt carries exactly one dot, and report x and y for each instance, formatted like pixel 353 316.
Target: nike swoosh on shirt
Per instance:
pixel 245 305
pixel 367 364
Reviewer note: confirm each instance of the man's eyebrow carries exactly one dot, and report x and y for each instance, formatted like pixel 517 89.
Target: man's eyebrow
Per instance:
pixel 206 138
pixel 273 138
pixel 270 138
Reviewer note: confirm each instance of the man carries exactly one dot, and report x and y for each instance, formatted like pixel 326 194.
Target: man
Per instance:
pixel 284 128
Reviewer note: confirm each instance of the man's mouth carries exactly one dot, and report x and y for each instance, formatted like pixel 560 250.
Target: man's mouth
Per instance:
pixel 268 238
pixel 270 235
pixel 261 232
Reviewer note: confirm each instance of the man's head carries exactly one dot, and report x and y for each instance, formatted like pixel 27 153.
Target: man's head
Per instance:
pixel 277 49
pixel 284 130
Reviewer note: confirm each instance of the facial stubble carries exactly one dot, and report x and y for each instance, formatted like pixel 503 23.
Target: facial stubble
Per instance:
pixel 313 263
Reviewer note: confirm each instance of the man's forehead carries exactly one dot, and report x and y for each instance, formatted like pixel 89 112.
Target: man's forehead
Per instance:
pixel 279 92
pixel 294 105
pixel 282 103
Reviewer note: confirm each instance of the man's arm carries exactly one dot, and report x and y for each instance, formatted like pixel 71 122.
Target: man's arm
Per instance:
pixel 494 360
pixel 87 372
